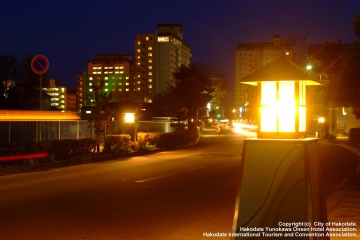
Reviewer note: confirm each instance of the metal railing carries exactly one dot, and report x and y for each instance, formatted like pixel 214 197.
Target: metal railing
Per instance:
pixel 33 131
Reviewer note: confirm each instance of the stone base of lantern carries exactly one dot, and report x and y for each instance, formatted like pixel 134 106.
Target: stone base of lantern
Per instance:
pixel 280 183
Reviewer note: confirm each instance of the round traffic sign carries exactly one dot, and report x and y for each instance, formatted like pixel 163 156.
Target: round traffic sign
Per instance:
pixel 39 64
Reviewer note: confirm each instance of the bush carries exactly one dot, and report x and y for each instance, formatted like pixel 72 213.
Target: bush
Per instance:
pixel 118 143
pixel 354 135
pixel 66 148
pixel 179 138
pixel 55 149
pixel 13 150
pixel 149 139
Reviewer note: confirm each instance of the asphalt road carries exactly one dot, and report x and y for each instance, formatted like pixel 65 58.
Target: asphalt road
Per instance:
pixel 168 195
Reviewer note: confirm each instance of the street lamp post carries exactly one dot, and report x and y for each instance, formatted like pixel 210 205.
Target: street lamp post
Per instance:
pixel 130 118
pixel 280 173
pixel 320 127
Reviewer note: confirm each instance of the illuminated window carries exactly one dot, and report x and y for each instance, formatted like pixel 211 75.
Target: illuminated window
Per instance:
pixel 149 48
pixel 149 54
pixel 163 39
pixel 150 80
pixel 149 67
pixel 147 38
pixel 150 73
pixel 90 78
pixel 138 50
pixel 150 60
pixel 127 89
pixel 150 86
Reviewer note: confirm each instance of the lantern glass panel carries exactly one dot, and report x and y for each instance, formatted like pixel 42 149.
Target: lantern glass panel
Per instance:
pixel 302 93
pixel 268 93
pixel 302 119
pixel 286 106
pixel 268 119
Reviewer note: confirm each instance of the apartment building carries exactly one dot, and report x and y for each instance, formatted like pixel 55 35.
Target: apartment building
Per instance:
pixel 113 75
pixel 248 58
pixel 58 95
pixel 71 99
pixel 157 56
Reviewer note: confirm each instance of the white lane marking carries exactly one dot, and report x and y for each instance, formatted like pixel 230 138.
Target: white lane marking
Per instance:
pixel 167 175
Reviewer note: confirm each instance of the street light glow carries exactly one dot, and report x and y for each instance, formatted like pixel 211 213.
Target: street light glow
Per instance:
pixel 129 117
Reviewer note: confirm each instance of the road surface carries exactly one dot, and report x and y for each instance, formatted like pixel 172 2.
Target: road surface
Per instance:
pixel 169 195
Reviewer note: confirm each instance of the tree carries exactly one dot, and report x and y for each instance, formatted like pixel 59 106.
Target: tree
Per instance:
pixel 99 117
pixel 356 25
pixel 9 72
pixel 190 90
pixel 299 46
pixel 18 83
pixel 345 90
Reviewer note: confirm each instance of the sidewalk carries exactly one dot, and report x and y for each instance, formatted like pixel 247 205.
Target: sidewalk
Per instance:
pixel 344 203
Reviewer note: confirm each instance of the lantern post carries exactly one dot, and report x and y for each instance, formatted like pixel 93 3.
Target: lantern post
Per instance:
pixel 280 170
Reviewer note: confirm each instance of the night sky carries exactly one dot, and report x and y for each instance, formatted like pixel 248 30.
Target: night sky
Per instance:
pixel 71 32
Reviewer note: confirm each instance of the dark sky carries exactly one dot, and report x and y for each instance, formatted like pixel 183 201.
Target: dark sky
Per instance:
pixel 71 32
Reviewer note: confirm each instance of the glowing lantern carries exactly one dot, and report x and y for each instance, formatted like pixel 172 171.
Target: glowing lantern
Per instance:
pixel 281 87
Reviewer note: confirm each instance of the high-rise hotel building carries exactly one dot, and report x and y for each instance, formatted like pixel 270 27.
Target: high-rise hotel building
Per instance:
pixel 249 57
pixel 157 56
pixel 115 72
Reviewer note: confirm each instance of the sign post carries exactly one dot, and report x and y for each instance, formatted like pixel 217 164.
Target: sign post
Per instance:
pixel 40 64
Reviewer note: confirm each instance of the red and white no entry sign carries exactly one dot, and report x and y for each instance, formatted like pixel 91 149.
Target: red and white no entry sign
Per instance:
pixel 39 64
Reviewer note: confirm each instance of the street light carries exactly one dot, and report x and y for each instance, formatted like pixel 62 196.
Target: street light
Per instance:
pixel 130 118
pixel 280 170
pixel 320 125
